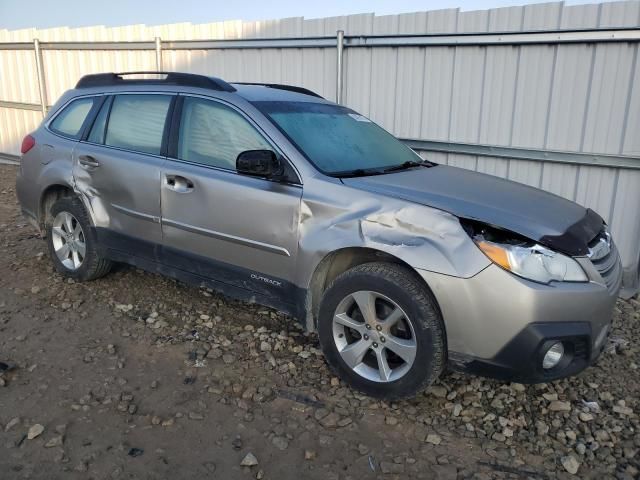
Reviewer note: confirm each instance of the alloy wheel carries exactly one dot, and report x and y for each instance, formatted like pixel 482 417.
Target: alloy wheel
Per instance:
pixel 68 240
pixel 374 336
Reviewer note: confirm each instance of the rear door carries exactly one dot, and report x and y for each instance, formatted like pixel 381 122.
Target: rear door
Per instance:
pixel 237 229
pixel 117 167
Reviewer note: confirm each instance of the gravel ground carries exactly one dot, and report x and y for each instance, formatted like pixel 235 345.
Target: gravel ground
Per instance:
pixel 138 376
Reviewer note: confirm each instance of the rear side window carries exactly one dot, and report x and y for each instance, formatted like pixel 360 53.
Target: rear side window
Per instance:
pixel 136 122
pixel 96 135
pixel 214 134
pixel 69 122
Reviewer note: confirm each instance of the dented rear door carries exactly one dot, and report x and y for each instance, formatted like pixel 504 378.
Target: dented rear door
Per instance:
pixel 117 170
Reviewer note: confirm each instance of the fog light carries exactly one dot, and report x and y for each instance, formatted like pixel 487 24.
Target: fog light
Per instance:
pixel 553 356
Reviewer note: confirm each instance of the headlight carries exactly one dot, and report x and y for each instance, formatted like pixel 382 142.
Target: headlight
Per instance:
pixel 533 262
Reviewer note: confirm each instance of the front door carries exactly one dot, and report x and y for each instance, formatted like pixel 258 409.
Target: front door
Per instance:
pixel 117 169
pixel 236 229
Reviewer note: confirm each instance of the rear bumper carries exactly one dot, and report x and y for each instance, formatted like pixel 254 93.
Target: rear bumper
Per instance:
pixel 500 325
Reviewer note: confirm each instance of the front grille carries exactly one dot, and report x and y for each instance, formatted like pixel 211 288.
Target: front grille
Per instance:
pixel 608 266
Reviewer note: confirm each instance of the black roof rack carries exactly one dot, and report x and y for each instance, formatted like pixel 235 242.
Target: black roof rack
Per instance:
pixel 171 78
pixel 279 86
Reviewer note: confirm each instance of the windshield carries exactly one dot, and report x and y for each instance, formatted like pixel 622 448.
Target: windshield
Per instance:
pixel 336 139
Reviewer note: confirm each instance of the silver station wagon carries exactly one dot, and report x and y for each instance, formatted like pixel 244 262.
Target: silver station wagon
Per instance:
pixel 271 194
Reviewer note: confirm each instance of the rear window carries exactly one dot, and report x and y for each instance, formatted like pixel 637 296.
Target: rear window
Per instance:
pixel 69 122
pixel 136 122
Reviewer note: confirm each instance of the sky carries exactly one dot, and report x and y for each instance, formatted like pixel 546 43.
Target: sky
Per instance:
pixel 16 14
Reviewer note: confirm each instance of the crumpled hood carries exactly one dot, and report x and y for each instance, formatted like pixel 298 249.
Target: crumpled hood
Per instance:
pixel 531 212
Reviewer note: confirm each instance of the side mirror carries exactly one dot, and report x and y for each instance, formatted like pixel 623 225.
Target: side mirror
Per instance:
pixel 260 163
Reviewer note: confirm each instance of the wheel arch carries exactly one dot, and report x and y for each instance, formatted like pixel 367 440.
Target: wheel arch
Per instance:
pixel 338 261
pixel 49 196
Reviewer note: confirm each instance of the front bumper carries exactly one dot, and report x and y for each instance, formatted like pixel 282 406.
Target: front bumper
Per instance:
pixel 521 359
pixel 500 325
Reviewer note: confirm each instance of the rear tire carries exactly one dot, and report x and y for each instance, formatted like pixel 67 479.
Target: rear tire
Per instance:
pixel 381 331
pixel 72 242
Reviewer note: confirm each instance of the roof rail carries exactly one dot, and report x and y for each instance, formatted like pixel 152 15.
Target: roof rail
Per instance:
pixel 279 86
pixel 171 78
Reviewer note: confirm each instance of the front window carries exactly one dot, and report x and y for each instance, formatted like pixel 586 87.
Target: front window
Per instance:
pixel 337 140
pixel 214 134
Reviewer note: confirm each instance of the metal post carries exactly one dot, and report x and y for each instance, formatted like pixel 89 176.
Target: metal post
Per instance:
pixel 340 47
pixel 158 54
pixel 42 85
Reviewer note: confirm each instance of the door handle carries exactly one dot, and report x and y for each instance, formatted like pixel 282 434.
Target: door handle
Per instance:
pixel 88 161
pixel 178 184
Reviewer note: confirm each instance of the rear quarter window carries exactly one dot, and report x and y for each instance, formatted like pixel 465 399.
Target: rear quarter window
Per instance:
pixel 70 120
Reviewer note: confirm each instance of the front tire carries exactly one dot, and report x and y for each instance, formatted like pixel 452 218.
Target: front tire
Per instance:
pixel 72 242
pixel 381 331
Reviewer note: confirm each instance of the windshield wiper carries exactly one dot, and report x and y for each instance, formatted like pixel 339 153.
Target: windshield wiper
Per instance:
pixel 409 164
pixel 358 172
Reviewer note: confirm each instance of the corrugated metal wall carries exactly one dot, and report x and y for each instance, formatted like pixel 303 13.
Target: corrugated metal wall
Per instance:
pixel 582 97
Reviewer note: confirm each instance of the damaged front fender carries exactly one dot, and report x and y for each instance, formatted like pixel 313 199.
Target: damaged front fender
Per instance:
pixel 423 237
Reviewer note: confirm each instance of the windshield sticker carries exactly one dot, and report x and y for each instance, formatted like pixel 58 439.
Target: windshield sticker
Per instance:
pixel 359 118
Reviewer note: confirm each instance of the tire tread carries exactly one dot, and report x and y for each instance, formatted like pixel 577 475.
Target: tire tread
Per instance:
pixel 431 319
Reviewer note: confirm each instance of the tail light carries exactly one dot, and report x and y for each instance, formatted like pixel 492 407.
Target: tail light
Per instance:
pixel 27 144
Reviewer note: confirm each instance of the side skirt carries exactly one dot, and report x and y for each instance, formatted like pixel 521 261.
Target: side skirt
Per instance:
pixel 151 258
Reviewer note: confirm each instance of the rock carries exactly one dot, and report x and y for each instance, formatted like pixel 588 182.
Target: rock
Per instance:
pixel 560 406
pixel 433 438
pixel 228 358
pixel 135 452
pixel 585 417
pixel 309 454
pixel 280 442
pixel 444 472
pixel 249 460
pixel 196 416
pixel 570 464
pixel 498 437
pixel 330 420
pixel 35 431
pixel 623 410
pixel 265 347
pixel 437 391
pixel 389 467
pixel 343 422
pixel 391 420
pixel 12 423
pixel 320 413
pixel 54 442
